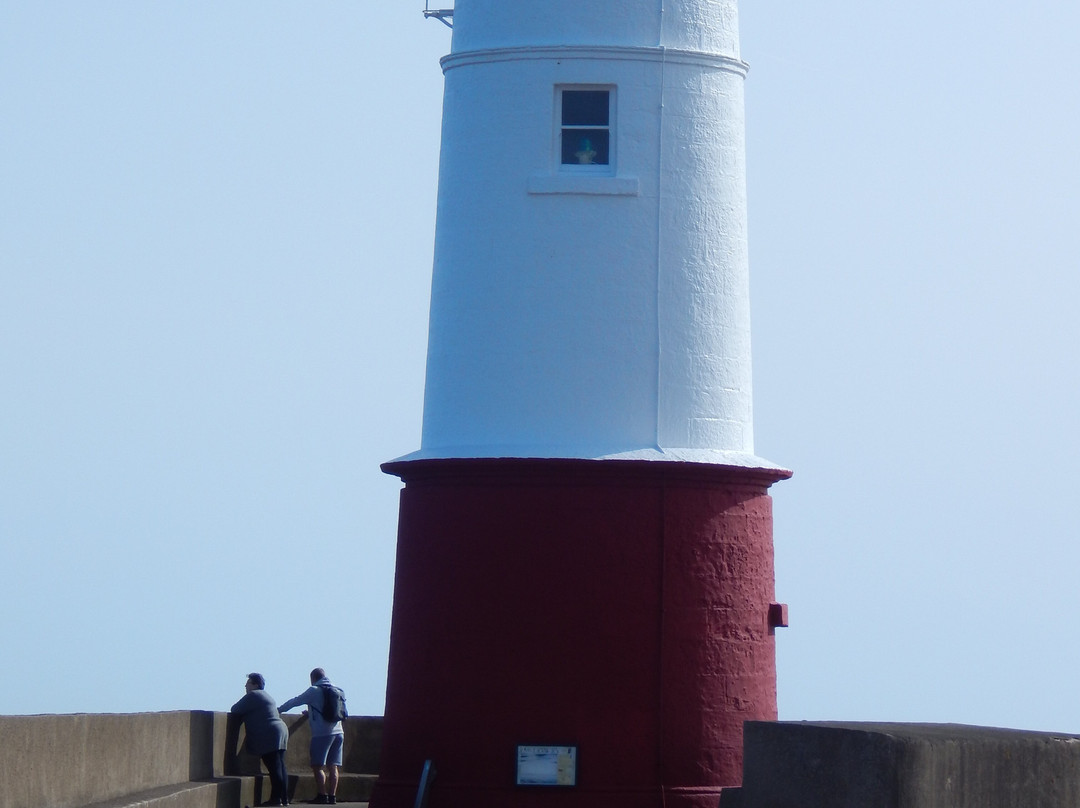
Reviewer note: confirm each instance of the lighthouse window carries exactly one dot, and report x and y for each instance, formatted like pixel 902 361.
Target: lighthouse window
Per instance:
pixel 586 127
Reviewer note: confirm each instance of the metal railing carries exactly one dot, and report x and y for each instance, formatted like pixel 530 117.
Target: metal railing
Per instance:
pixel 443 15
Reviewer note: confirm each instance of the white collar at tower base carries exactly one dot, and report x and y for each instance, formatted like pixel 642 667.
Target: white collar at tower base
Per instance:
pixel 712 457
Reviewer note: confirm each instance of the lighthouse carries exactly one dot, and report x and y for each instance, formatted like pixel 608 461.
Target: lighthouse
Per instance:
pixel 584 604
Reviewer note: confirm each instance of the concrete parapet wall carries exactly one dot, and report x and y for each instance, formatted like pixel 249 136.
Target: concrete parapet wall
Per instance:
pixel 193 760
pixel 855 765
pixel 63 761
pixel 67 761
pixel 360 764
pixel 363 739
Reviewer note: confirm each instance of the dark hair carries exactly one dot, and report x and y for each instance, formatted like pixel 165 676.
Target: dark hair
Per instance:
pixel 257 680
pixel 317 674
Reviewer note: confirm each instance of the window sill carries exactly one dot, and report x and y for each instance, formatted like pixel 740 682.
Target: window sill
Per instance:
pixel 583 184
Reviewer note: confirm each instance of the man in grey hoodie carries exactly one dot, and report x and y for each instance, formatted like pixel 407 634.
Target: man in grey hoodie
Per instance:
pixel 327 738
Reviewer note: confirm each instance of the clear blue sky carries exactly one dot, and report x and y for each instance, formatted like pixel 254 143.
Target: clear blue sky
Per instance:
pixel 216 227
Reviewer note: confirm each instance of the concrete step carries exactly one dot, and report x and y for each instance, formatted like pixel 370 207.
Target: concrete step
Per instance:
pixel 354 791
pixel 303 804
pixel 352 788
pixel 195 794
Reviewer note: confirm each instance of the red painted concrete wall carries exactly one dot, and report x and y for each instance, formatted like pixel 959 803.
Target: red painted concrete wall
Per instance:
pixel 621 607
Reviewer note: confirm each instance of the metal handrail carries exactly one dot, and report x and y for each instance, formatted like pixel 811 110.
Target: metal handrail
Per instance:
pixel 443 15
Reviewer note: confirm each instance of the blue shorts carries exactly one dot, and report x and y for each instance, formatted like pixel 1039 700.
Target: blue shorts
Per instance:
pixel 326 750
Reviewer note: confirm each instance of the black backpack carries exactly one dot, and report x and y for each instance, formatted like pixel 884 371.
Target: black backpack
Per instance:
pixel 333 704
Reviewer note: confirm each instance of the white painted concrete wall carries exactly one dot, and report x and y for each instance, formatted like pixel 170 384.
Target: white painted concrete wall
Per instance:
pixel 703 25
pixel 579 314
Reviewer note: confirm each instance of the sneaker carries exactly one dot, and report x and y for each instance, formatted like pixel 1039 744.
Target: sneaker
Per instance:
pixel 333 799
pixel 322 799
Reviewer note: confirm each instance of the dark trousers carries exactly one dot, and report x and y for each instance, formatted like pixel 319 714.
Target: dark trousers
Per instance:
pixel 279 777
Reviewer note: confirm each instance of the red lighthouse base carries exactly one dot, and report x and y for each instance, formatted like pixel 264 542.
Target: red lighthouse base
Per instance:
pixel 619 607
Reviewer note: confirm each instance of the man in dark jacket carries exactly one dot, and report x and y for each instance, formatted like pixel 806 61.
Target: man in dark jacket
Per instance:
pixel 267 735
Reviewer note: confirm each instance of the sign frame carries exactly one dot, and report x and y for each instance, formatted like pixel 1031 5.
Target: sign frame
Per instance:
pixel 546 766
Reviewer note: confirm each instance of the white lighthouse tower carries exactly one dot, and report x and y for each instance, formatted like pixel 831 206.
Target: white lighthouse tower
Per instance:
pixel 585 542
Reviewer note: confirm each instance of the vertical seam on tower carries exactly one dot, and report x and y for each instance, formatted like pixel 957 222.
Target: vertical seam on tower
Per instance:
pixel 659 354
pixel 660 222
pixel 661 773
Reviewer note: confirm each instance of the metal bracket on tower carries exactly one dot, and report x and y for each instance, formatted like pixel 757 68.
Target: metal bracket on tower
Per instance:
pixel 444 15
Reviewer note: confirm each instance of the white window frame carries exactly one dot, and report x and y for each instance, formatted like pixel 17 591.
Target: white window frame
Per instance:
pixel 604 169
pixel 575 179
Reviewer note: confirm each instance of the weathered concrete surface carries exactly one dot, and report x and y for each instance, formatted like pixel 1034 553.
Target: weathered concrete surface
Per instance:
pixel 363 739
pixel 360 765
pixel 72 760
pixel 856 765
pixel 163 760
pixel 228 793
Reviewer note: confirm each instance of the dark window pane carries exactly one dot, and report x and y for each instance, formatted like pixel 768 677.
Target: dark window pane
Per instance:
pixel 585 146
pixel 585 107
